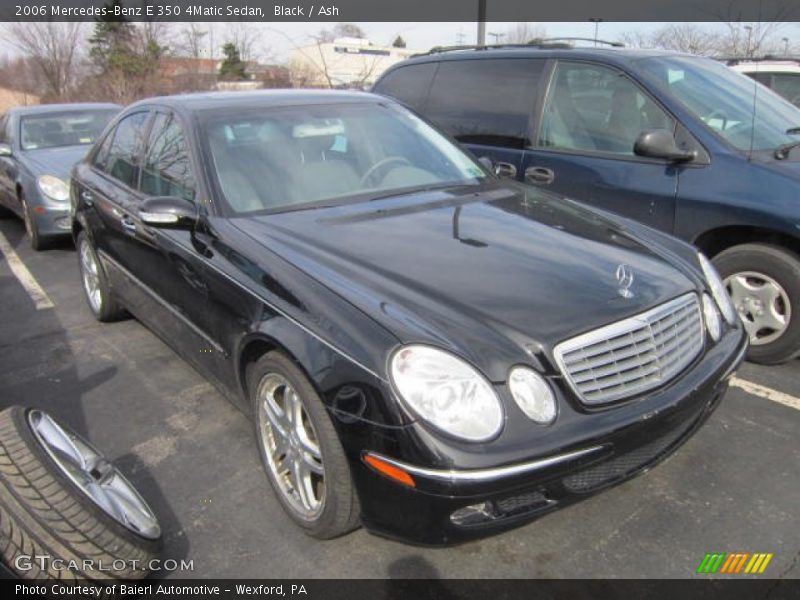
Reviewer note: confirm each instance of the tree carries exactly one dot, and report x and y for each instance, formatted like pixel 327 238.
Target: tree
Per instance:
pixel 683 37
pixel 233 68
pixel 399 42
pixel 125 57
pixel 52 49
pixel 523 33
pixel 340 30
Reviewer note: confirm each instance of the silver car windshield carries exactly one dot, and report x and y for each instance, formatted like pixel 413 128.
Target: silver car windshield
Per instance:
pixel 286 158
pixel 743 112
pixel 75 128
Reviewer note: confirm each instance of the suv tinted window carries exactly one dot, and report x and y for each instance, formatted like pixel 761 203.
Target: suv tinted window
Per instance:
pixel 408 84
pixel 167 170
pixel 485 101
pixel 3 136
pixel 121 161
pixel 597 109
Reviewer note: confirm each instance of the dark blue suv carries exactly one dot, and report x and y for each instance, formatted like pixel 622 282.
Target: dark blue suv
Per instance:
pixel 679 142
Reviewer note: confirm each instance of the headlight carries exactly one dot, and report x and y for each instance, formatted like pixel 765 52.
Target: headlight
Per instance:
pixel 446 392
pixel 718 289
pixel 532 395
pixel 712 318
pixel 53 188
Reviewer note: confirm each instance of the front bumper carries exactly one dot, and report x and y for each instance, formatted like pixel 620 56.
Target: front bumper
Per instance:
pixel 52 221
pixel 509 495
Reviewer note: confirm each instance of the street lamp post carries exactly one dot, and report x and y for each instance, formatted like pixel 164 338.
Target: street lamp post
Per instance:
pixel 596 22
pixel 749 29
pixel 785 46
pixel 496 36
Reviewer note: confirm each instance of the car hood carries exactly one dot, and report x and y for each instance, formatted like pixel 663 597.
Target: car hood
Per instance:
pixel 499 273
pixel 55 161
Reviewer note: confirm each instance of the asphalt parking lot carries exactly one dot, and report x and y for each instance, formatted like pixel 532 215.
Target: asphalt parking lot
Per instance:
pixel 734 487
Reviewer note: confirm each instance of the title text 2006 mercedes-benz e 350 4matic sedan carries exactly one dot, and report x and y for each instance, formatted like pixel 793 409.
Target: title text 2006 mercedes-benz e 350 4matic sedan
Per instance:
pixel 423 348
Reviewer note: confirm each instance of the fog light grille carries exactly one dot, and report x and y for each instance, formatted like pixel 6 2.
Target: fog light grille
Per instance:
pixel 624 464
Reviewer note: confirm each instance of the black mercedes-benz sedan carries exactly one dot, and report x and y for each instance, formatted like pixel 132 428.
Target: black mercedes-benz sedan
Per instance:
pixel 423 348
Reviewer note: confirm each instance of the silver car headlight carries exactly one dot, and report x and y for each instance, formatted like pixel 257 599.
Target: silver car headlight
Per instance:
pixel 711 317
pixel 717 289
pixel 446 392
pixel 532 395
pixel 53 187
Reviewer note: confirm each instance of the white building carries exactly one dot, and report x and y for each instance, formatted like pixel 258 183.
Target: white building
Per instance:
pixel 343 63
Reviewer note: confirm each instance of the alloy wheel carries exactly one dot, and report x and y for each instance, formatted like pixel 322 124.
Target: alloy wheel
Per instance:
pixel 291 446
pixel 91 277
pixel 762 303
pixel 95 476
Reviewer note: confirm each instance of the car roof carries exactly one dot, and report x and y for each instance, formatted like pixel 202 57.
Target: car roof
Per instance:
pixel 617 56
pixel 37 109
pixel 255 99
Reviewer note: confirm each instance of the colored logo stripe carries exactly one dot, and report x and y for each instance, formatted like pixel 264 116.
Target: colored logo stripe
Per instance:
pixel 735 562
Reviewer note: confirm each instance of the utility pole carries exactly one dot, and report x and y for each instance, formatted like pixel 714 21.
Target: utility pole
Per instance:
pixel 596 22
pixel 481 22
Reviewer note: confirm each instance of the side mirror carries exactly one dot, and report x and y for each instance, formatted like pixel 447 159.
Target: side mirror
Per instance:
pixel 168 212
pixel 660 143
pixel 5 150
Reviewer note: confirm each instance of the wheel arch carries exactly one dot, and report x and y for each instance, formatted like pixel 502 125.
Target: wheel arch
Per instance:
pixel 717 240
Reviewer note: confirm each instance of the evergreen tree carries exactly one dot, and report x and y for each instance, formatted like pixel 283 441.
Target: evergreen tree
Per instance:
pixel 399 42
pixel 232 67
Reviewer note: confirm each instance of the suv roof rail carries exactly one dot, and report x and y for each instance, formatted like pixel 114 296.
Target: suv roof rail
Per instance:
pixel 734 60
pixel 582 39
pixel 559 43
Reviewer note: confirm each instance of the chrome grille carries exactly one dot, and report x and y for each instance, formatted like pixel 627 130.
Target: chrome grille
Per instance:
pixel 634 355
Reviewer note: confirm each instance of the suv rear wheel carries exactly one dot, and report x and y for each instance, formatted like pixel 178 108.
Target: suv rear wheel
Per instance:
pixel 764 284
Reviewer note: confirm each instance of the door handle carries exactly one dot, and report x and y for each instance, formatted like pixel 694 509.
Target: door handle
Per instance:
pixel 505 170
pixel 541 175
pixel 87 197
pixel 128 224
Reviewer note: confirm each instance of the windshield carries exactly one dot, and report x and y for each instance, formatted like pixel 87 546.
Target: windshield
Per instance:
pixel 724 100
pixel 274 159
pixel 49 130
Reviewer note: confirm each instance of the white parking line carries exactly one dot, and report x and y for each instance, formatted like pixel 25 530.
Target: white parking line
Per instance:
pixel 765 392
pixel 28 281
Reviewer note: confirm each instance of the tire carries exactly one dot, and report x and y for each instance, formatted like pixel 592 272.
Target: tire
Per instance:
pixel 748 271
pixel 43 513
pixel 37 241
pixel 339 510
pixel 104 305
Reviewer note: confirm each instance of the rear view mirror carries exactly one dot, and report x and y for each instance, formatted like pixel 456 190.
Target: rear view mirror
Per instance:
pixel 660 143
pixel 168 212
pixel 5 150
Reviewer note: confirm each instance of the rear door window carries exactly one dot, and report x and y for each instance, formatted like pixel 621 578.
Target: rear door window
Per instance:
pixel 486 101
pixel 409 84
pixel 122 159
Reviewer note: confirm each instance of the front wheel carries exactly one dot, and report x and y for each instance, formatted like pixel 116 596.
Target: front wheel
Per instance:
pixel 36 239
pixel 301 452
pixel 764 284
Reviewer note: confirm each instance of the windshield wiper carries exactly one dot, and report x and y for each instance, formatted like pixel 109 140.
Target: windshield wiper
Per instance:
pixel 782 151
pixel 793 130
